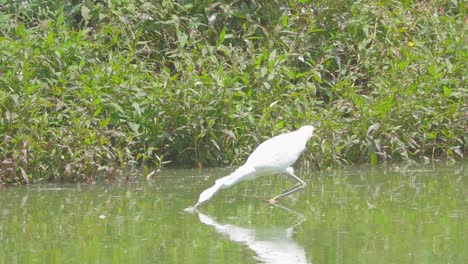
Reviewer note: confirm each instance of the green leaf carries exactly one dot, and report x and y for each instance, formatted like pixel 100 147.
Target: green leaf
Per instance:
pixel 284 20
pixel 431 69
pixel 20 30
pixel 85 13
pixel 447 91
pixel 97 112
pixel 280 124
pixel 137 108
pixel 317 76
pixel 134 126
pixel 222 34
pixel 272 56
pixel 182 38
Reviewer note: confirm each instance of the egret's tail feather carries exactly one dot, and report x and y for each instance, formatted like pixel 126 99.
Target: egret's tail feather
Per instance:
pixel 238 175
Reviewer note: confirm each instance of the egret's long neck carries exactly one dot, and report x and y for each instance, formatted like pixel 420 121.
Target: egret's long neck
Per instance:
pixel 238 175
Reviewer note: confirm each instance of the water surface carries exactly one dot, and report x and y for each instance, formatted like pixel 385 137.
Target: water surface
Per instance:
pixel 385 214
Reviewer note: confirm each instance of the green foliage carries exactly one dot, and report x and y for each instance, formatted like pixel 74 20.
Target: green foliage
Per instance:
pixel 87 87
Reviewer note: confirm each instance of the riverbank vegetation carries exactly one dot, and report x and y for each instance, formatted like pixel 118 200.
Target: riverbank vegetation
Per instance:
pixel 88 88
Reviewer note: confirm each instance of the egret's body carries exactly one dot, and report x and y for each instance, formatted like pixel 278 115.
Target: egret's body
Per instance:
pixel 276 155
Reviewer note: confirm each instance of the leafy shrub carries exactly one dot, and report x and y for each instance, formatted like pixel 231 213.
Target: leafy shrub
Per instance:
pixel 88 87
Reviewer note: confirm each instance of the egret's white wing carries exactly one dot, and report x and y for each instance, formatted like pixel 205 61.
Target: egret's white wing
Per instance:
pixel 278 152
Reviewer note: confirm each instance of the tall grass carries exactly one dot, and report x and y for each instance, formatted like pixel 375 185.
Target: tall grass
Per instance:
pixel 89 87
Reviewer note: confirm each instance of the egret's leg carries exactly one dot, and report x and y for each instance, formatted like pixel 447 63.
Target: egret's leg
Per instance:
pixel 299 185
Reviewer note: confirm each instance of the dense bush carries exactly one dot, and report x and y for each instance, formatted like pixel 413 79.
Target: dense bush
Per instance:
pixel 88 87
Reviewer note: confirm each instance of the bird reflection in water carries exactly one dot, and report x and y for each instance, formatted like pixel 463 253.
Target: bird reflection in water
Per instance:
pixel 272 245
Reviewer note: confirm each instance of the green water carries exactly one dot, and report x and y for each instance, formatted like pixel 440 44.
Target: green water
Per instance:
pixel 386 214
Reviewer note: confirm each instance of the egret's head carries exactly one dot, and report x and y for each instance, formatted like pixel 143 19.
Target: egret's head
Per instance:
pixel 307 130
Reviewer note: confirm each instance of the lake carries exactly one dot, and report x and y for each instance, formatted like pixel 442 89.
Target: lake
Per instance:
pixel 403 213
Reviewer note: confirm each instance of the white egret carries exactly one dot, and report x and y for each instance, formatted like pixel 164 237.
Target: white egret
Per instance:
pixel 276 155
